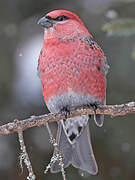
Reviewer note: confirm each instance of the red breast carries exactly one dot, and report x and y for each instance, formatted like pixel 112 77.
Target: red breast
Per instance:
pixel 69 61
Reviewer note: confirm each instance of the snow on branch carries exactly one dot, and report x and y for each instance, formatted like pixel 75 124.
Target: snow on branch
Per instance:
pixel 112 110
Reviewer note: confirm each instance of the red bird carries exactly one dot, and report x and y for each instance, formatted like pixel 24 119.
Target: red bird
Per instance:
pixel 72 70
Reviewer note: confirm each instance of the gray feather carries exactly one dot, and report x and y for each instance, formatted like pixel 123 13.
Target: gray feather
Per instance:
pixel 83 157
pixel 77 152
pixel 99 120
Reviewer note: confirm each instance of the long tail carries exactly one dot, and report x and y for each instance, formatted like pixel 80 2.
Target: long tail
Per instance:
pixel 79 154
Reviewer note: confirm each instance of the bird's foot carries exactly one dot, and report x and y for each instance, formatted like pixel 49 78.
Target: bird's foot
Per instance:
pixel 94 107
pixel 66 111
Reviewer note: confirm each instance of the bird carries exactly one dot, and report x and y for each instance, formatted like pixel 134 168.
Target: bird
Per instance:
pixel 72 68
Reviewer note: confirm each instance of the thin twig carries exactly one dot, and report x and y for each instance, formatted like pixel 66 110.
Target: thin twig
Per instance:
pixel 24 156
pixel 57 156
pixel 112 110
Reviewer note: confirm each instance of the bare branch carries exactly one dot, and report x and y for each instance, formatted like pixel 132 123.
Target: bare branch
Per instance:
pixel 112 110
pixel 57 156
pixel 24 156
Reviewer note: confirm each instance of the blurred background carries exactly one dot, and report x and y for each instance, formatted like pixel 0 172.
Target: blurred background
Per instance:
pixel 20 91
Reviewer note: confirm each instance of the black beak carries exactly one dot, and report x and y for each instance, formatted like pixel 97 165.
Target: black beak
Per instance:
pixel 45 22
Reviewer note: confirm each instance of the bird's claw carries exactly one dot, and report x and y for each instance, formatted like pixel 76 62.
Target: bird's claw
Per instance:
pixel 94 107
pixel 66 111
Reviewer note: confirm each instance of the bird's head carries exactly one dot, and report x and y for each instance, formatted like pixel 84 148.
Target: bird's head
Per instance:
pixel 62 22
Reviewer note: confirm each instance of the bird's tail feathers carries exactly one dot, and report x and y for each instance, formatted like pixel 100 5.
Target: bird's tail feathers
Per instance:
pixel 99 120
pixel 79 154
pixel 83 156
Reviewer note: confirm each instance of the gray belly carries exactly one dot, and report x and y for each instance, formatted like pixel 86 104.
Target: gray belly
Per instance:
pixel 69 100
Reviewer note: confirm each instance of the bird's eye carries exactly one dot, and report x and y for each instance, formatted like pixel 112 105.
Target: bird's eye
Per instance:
pixel 61 18
pixel 48 17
